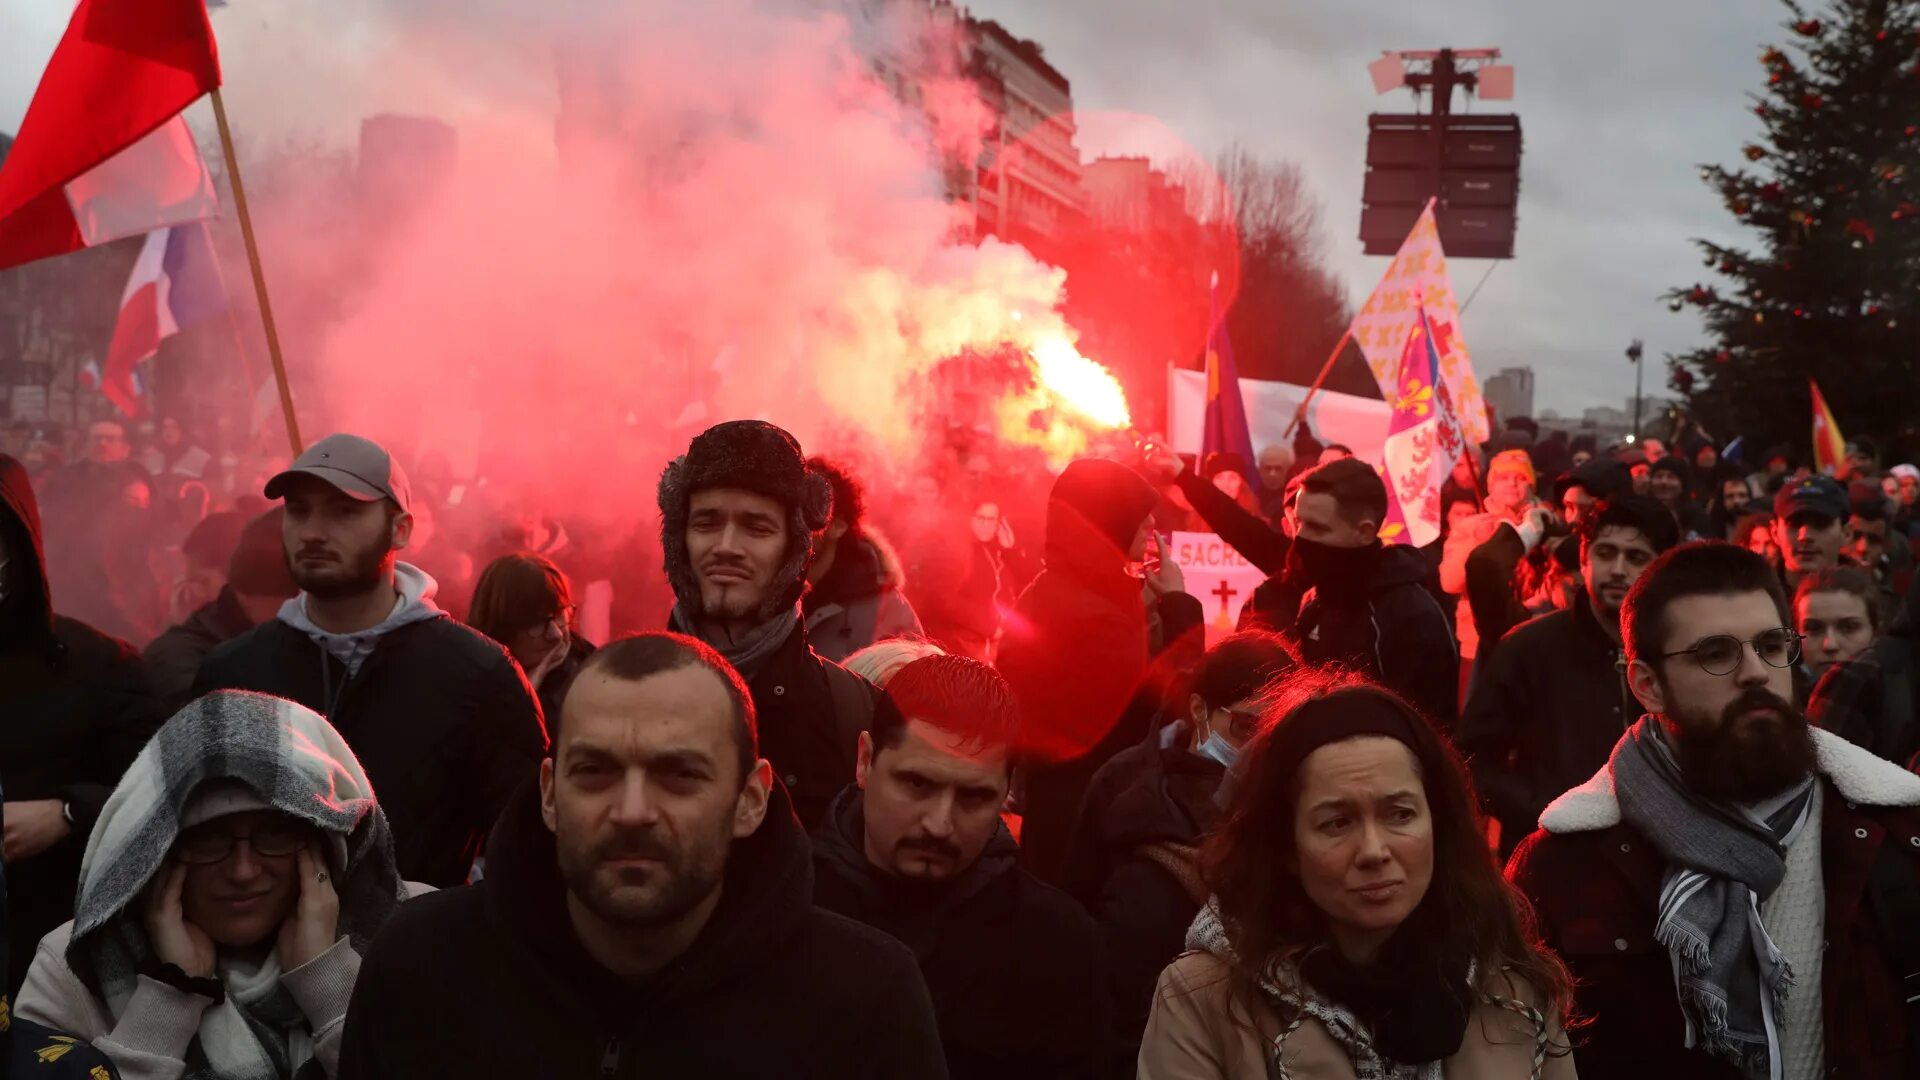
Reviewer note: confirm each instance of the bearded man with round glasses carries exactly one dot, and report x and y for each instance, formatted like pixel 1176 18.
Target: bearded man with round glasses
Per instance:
pixel 1736 894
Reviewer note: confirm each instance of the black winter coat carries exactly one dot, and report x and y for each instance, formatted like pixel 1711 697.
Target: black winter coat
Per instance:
pixel 1390 627
pixel 174 658
pixel 75 709
pixel 490 981
pixel 811 712
pixel 1544 716
pixel 1013 965
pixel 1077 665
pixel 1077 652
pixel 440 716
pixel 1145 813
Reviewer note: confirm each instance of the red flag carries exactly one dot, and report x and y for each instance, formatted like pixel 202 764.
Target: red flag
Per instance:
pixel 1829 448
pixel 124 68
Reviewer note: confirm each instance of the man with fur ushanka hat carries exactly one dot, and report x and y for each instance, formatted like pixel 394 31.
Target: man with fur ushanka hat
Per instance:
pixel 738 513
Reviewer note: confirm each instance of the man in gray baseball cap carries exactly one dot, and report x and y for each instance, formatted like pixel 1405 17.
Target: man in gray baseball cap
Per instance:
pixel 355 466
pixel 441 717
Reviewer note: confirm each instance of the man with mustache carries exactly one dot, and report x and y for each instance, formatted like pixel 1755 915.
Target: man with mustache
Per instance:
pixel 917 848
pixel 1735 893
pixel 1553 697
pixel 440 716
pixel 740 514
pixel 647 912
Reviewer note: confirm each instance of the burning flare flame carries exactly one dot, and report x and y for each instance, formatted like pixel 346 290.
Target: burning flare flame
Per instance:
pixel 1082 386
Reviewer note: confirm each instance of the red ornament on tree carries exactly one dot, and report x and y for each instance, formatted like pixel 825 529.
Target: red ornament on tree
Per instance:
pixel 1812 101
pixel 1755 153
pixel 1808 28
pixel 1911 130
pixel 1722 356
pixel 1905 210
pixel 1770 191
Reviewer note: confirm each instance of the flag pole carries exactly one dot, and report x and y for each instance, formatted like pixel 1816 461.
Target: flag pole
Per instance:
pixel 1325 369
pixel 259 275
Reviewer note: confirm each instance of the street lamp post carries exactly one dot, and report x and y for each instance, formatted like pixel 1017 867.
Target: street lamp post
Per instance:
pixel 1639 378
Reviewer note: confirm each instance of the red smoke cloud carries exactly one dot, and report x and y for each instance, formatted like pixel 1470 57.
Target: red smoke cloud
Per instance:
pixel 648 218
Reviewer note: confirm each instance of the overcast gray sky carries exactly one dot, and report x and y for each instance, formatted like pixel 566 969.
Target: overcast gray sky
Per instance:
pixel 1620 102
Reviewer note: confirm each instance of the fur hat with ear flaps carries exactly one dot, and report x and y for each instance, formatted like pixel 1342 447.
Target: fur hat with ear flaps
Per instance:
pixel 751 455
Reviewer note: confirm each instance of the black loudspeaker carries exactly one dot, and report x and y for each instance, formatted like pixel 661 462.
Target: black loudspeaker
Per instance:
pixel 1470 164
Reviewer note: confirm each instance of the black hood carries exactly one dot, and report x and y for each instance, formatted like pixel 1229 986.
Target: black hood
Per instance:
pixel 768 893
pixel 912 913
pixel 26 614
pixel 1093 512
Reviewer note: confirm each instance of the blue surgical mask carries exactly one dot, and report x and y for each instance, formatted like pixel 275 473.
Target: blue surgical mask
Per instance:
pixel 1216 746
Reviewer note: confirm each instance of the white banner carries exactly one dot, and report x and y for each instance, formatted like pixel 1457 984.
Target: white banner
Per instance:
pixel 1355 422
pixel 1218 577
pixel 1419 275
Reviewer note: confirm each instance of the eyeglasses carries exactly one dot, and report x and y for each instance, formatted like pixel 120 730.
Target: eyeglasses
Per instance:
pixel 1721 653
pixel 1241 722
pixel 270 839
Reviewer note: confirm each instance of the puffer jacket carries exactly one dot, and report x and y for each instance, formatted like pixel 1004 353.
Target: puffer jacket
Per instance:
pixel 859 600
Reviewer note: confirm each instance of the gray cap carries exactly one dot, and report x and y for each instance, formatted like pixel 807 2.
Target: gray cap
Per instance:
pixel 360 467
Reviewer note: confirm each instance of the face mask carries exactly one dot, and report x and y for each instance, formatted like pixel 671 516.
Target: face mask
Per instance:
pixel 1328 566
pixel 1215 746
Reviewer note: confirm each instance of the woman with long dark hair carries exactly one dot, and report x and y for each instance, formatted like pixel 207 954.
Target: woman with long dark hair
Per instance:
pixel 1359 926
pixel 525 602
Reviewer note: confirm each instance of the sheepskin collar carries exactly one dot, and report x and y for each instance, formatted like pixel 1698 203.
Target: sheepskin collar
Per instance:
pixel 1859 777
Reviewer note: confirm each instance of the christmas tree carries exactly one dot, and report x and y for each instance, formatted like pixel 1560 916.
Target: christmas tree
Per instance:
pixel 1828 291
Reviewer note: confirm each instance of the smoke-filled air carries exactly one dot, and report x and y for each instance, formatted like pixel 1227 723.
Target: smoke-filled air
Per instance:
pixel 576 233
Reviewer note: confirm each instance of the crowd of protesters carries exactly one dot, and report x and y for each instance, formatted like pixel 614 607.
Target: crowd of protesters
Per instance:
pixel 312 768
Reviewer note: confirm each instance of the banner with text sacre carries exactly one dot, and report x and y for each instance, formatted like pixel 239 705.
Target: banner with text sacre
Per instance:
pixel 1218 577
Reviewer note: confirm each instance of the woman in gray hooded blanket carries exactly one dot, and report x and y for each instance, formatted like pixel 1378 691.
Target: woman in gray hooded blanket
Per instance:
pixel 235 877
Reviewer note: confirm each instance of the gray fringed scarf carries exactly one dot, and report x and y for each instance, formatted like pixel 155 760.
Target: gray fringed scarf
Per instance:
pixel 1722 860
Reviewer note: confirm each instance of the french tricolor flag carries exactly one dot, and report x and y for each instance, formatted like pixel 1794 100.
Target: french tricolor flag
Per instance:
pixel 175 284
